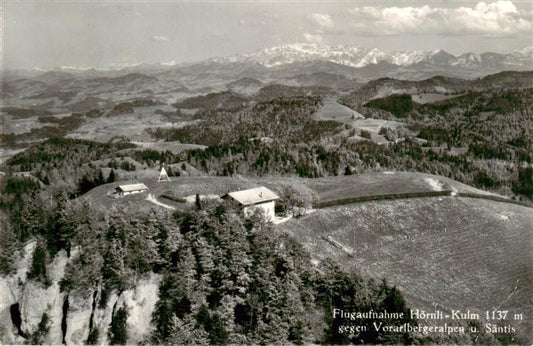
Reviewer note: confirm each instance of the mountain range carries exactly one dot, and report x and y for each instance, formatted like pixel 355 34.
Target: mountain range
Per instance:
pixel 341 68
pixel 358 57
pixel 304 58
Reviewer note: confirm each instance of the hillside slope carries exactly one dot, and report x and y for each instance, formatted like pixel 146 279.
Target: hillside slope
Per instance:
pixel 443 252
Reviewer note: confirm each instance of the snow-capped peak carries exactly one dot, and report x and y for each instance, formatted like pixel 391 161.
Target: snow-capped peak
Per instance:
pixel 526 52
pixel 357 56
pixel 467 59
pixel 407 58
pixel 301 52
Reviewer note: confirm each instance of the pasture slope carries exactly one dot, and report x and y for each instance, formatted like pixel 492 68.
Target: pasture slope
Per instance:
pixel 332 110
pixel 444 251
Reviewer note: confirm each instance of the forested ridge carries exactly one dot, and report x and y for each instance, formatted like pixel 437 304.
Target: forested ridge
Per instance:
pixel 282 137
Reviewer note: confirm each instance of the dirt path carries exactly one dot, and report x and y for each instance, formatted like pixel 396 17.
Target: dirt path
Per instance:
pixel 152 199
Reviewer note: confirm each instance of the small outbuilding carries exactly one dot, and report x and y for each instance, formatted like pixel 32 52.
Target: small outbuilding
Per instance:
pixel 253 199
pixel 129 189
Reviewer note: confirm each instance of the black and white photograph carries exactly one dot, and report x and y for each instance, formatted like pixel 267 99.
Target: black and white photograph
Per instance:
pixel 266 172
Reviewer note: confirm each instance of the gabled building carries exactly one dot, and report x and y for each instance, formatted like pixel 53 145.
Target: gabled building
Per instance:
pixel 253 199
pixel 123 190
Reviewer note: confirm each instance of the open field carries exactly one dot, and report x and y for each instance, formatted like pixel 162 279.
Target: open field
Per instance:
pixel 386 91
pixel 132 126
pixel 6 154
pixel 453 151
pixel 332 110
pixel 374 125
pixel 443 253
pixel 18 126
pixel 430 98
pixel 175 147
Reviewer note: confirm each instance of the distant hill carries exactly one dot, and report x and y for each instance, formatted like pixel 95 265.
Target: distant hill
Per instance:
pixel 339 68
pixel 23 87
pixel 384 87
pixel 246 86
pixel 506 79
pixel 275 91
pixel 331 80
pixel 53 77
pixel 221 100
pixel 88 103
pixel 129 78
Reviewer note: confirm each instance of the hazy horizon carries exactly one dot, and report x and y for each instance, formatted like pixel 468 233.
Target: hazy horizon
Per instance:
pixel 106 34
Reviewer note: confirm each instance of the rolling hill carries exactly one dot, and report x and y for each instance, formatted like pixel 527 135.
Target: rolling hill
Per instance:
pixel 445 251
pixel 221 100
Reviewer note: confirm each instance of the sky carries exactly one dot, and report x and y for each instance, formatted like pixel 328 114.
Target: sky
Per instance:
pixel 114 33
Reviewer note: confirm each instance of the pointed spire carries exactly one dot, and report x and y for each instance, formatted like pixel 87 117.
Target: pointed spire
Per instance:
pixel 163 176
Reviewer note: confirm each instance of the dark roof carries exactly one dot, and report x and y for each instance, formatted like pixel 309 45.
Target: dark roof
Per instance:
pixel 132 187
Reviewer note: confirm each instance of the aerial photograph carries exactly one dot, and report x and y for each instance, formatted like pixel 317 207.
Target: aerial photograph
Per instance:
pixel 266 172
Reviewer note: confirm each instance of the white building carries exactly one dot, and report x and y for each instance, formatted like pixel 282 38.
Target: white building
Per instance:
pixel 163 176
pixel 123 190
pixel 253 199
